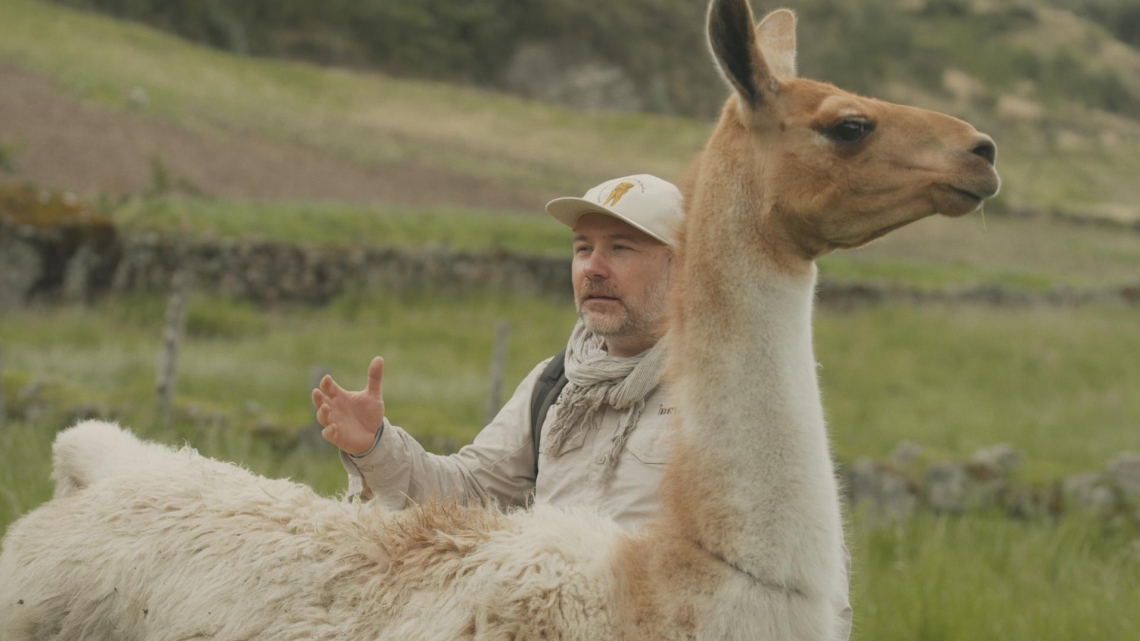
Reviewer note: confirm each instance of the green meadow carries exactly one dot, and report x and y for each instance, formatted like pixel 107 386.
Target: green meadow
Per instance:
pixel 1059 385
pixel 1055 383
pixel 953 579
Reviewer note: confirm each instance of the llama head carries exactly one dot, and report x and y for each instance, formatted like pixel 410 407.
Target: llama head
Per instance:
pixel 828 169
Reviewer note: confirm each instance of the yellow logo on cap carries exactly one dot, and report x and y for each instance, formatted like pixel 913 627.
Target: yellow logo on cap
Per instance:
pixel 617 193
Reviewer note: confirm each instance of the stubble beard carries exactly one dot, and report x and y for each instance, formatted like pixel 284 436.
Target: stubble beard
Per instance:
pixel 627 321
pixel 620 323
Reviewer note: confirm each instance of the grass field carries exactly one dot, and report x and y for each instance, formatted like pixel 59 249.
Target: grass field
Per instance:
pixel 951 579
pixel 931 578
pixel 1057 384
pixel 463 229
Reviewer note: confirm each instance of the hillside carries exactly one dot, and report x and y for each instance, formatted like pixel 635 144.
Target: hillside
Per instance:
pixel 638 56
pixel 92 104
pixel 56 138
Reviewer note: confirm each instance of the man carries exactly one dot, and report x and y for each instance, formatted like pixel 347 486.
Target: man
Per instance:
pixel 602 441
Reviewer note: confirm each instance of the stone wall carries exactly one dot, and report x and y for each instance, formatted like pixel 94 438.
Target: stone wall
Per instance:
pixel 38 263
pixel 66 261
pixel 850 293
pixel 271 272
pixel 895 488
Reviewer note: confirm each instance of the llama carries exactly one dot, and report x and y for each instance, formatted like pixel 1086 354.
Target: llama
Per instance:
pixel 143 542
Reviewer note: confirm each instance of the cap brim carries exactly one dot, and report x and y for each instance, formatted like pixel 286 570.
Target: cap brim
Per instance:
pixel 568 210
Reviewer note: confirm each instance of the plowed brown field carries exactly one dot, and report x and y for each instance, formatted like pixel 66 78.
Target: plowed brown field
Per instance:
pixel 59 141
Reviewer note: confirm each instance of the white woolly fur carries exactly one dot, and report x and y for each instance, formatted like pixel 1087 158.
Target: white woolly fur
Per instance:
pixel 146 542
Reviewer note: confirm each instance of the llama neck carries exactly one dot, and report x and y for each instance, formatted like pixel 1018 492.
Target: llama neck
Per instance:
pixel 752 480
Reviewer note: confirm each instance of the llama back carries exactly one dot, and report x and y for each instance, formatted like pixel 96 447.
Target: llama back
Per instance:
pixel 95 450
pixel 145 542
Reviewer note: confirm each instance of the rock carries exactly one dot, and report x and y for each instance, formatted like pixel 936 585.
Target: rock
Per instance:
pixel 77 274
pixel 996 460
pixel 1124 470
pixel 21 268
pixel 906 452
pixel 885 494
pixel 1090 492
pixel 573 75
pixel 946 487
pixel 1025 503
pixel 987 493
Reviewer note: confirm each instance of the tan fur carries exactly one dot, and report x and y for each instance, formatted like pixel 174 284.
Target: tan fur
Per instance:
pixel 420 538
pixel 768 195
pixel 750 542
pixel 647 564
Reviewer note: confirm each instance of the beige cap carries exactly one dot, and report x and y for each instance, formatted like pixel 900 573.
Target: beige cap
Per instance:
pixel 646 202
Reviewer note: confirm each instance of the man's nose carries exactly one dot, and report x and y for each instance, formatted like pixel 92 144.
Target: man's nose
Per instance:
pixel 596 267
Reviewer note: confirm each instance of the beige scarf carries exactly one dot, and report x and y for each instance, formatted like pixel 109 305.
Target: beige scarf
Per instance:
pixel 597 378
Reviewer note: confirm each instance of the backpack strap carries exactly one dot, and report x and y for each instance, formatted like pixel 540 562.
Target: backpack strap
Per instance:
pixel 546 391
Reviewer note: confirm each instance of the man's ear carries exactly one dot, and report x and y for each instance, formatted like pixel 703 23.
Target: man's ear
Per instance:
pixel 732 39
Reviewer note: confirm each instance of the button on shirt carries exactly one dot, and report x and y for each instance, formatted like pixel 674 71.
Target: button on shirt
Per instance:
pixel 580 473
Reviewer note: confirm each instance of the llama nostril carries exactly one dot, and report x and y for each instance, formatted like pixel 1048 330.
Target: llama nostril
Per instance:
pixel 987 150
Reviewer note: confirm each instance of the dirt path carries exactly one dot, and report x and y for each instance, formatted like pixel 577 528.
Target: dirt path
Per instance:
pixel 60 141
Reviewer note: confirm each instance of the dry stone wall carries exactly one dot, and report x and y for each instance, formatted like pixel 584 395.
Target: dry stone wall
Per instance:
pixel 39 263
pixel 272 272
pixel 895 488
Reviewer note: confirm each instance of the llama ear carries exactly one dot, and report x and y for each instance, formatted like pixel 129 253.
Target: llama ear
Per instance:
pixel 777 36
pixel 732 39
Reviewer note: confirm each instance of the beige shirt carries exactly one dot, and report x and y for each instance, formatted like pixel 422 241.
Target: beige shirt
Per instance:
pixel 499 464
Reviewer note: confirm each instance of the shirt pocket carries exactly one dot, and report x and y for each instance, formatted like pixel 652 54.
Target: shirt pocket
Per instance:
pixel 649 441
pixel 573 442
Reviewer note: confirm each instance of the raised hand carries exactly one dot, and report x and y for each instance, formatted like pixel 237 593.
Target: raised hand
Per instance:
pixel 351 419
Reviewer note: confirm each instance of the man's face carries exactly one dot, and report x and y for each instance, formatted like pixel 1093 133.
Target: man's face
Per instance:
pixel 621 278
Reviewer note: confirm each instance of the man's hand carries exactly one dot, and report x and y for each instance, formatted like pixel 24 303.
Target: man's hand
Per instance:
pixel 351 419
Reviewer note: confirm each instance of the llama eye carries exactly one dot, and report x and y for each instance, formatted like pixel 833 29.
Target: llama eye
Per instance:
pixel 849 130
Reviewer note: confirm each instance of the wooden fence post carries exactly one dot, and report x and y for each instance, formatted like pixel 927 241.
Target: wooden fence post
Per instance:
pixel 498 364
pixel 172 334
